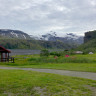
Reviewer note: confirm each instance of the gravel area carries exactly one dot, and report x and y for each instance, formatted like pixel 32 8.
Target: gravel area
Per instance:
pixel 88 75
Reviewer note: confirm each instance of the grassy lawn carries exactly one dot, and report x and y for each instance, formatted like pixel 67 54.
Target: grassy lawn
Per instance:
pixel 74 62
pixel 29 83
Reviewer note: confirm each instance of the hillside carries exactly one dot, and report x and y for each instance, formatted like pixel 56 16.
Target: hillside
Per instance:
pixel 89 42
pixel 69 38
pixel 33 44
pixel 8 33
pixel 90 36
pixel 16 39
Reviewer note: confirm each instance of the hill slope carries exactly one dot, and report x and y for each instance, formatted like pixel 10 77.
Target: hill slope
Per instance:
pixel 89 42
pixel 8 33
pixel 33 44
pixel 90 36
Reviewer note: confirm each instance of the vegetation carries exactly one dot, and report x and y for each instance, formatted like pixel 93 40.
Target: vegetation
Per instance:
pixel 33 44
pixel 73 62
pixel 19 44
pixel 90 36
pixel 89 42
pixel 44 53
pixel 88 47
pixel 29 83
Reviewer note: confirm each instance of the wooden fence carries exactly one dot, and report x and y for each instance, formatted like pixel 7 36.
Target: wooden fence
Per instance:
pixel 10 59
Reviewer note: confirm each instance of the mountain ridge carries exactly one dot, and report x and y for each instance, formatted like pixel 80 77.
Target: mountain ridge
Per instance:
pixel 89 42
pixel 68 38
pixel 20 40
pixel 14 34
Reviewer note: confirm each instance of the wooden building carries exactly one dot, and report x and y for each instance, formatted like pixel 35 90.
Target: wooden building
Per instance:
pixel 4 55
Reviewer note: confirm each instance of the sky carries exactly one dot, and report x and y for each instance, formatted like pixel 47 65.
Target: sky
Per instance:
pixel 37 17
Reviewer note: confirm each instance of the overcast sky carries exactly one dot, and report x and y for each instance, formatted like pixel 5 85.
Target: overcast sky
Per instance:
pixel 42 16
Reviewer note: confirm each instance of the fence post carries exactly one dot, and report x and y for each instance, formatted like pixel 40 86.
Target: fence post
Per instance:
pixel 13 60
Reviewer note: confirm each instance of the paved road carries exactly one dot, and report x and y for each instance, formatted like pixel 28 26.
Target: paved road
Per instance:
pixel 88 75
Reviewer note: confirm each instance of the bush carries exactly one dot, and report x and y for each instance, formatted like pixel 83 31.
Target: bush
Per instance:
pixel 55 54
pixel 44 53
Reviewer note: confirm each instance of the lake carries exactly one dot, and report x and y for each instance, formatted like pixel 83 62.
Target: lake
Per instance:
pixel 28 51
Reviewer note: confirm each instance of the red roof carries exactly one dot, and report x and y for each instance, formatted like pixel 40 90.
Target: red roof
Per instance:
pixel 2 49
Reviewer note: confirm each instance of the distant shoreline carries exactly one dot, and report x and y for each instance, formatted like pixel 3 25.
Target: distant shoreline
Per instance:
pixel 28 51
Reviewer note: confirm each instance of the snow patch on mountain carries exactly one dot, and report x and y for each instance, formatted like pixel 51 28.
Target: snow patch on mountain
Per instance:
pixel 24 36
pixel 8 33
pixel 67 38
pixel 14 34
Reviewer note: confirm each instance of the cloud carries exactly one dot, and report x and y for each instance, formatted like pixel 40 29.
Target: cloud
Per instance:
pixel 41 16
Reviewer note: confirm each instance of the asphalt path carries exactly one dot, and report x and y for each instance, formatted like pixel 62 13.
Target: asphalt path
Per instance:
pixel 88 75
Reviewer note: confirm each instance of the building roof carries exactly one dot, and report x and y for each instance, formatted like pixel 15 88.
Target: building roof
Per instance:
pixel 78 52
pixel 3 50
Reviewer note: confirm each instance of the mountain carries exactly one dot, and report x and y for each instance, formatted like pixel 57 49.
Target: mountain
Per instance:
pixel 89 36
pixel 68 38
pixel 89 42
pixel 15 39
pixel 7 33
pixel 52 36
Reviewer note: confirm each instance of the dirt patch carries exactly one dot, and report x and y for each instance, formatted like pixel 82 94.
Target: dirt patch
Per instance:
pixel 40 91
pixel 93 90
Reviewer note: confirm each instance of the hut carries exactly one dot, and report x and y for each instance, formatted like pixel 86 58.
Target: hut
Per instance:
pixel 4 55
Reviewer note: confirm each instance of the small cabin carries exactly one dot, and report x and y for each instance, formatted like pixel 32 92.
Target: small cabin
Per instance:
pixel 4 55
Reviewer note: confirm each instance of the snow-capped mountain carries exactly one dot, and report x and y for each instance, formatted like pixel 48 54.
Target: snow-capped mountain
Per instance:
pixel 68 38
pixel 14 34
pixel 39 37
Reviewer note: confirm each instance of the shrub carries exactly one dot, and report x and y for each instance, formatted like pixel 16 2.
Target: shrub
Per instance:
pixel 56 54
pixel 44 53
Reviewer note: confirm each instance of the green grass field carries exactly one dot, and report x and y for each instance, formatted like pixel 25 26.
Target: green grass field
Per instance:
pixel 29 83
pixel 74 62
